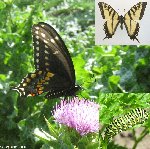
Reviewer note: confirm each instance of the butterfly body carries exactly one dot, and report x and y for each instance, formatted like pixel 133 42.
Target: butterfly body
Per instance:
pixel 130 19
pixel 54 74
pixel 121 21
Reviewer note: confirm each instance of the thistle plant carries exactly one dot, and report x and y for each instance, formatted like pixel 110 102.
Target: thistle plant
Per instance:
pixel 75 124
pixel 82 115
pixel 78 125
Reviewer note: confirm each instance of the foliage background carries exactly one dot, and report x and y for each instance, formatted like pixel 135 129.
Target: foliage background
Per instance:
pixel 99 69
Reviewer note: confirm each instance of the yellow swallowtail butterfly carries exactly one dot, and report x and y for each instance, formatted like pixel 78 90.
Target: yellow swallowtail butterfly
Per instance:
pixel 130 19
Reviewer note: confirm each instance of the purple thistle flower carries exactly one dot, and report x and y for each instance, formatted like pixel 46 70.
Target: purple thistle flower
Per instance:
pixel 82 115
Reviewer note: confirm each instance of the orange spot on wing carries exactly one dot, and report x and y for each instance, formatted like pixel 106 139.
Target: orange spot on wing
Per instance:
pixel 40 92
pixel 32 94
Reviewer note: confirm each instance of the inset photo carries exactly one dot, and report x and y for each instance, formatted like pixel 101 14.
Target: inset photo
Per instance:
pixel 122 22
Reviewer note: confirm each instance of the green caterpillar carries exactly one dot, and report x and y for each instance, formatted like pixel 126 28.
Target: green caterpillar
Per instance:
pixel 136 116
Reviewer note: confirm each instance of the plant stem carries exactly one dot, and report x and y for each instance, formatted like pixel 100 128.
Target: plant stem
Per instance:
pixel 137 140
pixel 102 142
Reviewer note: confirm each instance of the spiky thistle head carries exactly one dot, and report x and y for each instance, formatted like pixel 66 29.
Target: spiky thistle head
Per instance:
pixel 82 115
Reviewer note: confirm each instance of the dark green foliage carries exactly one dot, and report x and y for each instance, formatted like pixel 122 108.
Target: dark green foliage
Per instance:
pixel 114 146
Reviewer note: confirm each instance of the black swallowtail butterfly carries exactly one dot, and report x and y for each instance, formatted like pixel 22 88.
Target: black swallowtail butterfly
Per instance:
pixel 136 116
pixel 54 72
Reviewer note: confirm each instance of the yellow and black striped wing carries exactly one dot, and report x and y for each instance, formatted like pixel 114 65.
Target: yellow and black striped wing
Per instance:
pixel 112 19
pixel 131 19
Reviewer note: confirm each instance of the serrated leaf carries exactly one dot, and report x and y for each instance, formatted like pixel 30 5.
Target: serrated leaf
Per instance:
pixel 52 130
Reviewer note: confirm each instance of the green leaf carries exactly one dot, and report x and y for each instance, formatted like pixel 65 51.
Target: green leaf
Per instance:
pixel 2 5
pixel 114 79
pixel 52 130
pixel 2 77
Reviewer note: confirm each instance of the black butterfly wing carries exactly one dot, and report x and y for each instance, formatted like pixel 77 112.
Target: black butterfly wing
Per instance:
pixel 51 57
pixel 49 45
pixel 31 84
pixel 132 17
pixel 112 19
pixel 57 56
pixel 55 43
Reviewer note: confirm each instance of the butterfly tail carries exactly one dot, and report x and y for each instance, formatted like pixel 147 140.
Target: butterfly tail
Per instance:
pixel 132 33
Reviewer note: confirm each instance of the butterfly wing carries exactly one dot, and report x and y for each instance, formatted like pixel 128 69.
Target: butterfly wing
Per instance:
pixel 31 85
pixel 52 59
pixel 132 17
pixel 48 48
pixel 112 19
